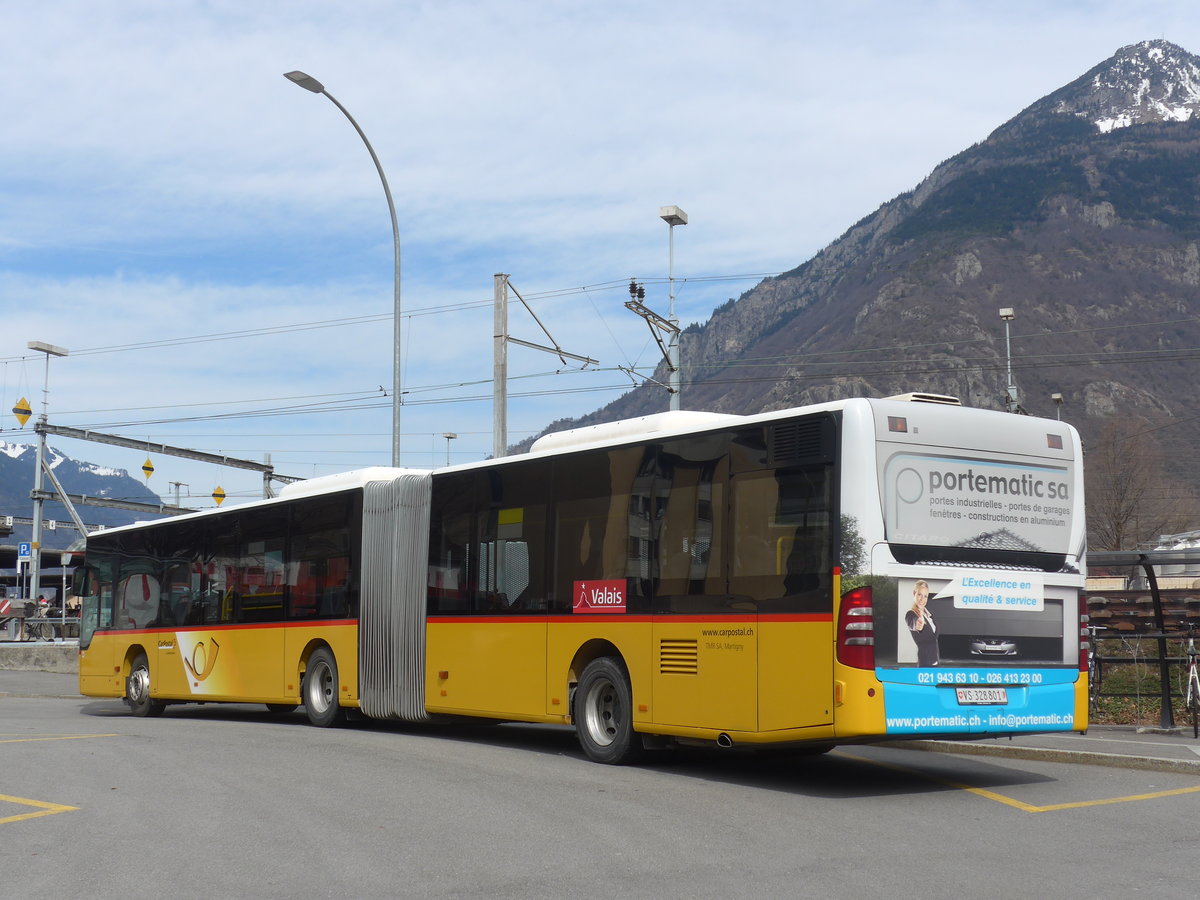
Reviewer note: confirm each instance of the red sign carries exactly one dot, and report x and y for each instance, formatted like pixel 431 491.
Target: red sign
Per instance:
pixel 600 596
pixel 5 606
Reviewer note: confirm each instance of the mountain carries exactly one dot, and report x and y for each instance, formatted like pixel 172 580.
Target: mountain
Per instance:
pixel 16 481
pixel 1154 81
pixel 1082 213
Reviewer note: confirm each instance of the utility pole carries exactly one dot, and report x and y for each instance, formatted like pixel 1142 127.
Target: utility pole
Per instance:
pixel 500 366
pixel 673 216
pixel 1011 403
pixel 35 561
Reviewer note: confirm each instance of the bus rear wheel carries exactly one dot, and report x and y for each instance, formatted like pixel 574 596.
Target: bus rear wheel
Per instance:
pixel 604 713
pixel 320 690
pixel 137 689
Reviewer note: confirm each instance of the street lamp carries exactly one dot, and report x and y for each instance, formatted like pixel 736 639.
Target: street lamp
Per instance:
pixel 311 84
pixel 35 555
pixel 449 436
pixel 673 216
pixel 1058 402
pixel 1011 404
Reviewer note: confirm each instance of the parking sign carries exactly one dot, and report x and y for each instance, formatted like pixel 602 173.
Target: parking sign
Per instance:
pixel 24 551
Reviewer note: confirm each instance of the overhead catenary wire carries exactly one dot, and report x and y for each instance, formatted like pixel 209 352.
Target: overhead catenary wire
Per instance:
pixel 873 368
pixel 802 366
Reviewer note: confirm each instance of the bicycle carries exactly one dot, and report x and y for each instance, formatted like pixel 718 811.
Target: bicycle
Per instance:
pixel 1191 697
pixel 39 629
pixel 1095 668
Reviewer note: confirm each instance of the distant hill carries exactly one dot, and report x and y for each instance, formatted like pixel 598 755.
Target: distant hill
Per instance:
pixel 1082 213
pixel 16 482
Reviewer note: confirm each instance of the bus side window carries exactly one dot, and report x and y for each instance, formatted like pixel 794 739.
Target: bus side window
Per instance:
pixel 320 564
pixel 139 597
pixel 513 554
pixel 105 591
pixel 178 594
pixel 783 544
pixel 488 544
pixel 449 561
pixel 322 578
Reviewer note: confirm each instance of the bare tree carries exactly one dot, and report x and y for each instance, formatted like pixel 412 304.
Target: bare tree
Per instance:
pixel 1129 500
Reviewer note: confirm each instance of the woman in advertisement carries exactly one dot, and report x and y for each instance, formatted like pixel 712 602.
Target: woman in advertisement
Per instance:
pixel 921 626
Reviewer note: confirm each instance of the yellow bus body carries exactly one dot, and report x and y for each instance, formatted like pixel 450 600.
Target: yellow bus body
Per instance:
pixel 756 680
pixel 234 663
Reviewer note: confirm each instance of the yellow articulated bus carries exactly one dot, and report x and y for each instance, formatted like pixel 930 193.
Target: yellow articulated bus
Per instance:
pixel 854 571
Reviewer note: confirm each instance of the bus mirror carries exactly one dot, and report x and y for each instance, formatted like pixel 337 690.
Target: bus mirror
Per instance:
pixel 81 582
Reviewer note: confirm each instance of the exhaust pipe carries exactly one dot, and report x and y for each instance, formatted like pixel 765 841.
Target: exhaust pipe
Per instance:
pixel 724 741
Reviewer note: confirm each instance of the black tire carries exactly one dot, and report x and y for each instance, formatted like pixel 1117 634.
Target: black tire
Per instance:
pixel 137 690
pixel 604 713
pixel 320 690
pixel 281 708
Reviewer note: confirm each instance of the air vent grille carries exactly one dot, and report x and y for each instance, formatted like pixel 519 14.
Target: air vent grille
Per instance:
pixel 802 441
pixel 678 656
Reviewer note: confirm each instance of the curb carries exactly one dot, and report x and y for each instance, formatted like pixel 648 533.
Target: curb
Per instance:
pixel 1043 754
pixel 29 656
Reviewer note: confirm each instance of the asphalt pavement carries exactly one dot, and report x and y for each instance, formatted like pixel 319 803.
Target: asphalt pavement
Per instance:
pixel 1127 747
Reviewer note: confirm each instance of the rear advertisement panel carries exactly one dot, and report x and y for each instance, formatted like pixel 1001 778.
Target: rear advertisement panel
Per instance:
pixel 991 644
pixel 937 499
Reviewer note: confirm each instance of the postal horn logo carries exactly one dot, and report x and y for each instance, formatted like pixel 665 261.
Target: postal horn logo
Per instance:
pixel 203 661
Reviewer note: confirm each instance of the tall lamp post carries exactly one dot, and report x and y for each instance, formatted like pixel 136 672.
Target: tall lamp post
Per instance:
pixel 311 84
pixel 35 561
pixel 1058 402
pixel 449 436
pixel 1011 403
pixel 673 216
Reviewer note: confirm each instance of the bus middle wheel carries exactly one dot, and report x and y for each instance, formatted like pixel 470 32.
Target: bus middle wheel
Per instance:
pixel 604 713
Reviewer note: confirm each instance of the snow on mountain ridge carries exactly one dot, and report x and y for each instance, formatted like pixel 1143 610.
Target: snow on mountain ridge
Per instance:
pixel 1152 81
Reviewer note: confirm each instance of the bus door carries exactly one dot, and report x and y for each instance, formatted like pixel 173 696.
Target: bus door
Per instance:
pixel 703 666
pixel 705 651
pixel 782 566
pixel 93 584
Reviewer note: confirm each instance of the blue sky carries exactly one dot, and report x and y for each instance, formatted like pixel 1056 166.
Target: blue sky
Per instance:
pixel 166 196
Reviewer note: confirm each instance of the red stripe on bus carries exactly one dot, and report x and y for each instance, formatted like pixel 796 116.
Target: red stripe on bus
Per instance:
pixel 642 618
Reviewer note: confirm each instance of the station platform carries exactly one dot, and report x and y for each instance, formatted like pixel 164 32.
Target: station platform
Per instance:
pixel 1121 746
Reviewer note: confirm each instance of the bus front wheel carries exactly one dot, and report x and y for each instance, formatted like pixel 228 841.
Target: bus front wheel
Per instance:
pixel 137 689
pixel 604 713
pixel 321 690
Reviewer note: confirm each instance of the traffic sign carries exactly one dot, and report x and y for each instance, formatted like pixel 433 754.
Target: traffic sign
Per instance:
pixel 24 551
pixel 22 411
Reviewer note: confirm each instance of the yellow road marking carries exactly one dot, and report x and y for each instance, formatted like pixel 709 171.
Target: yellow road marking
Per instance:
pixel 51 737
pixel 45 809
pixel 1012 801
pixel 1128 799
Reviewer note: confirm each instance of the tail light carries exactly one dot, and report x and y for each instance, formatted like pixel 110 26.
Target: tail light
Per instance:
pixel 856 630
pixel 1084 644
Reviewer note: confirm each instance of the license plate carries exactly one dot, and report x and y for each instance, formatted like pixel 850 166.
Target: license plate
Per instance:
pixel 982 696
